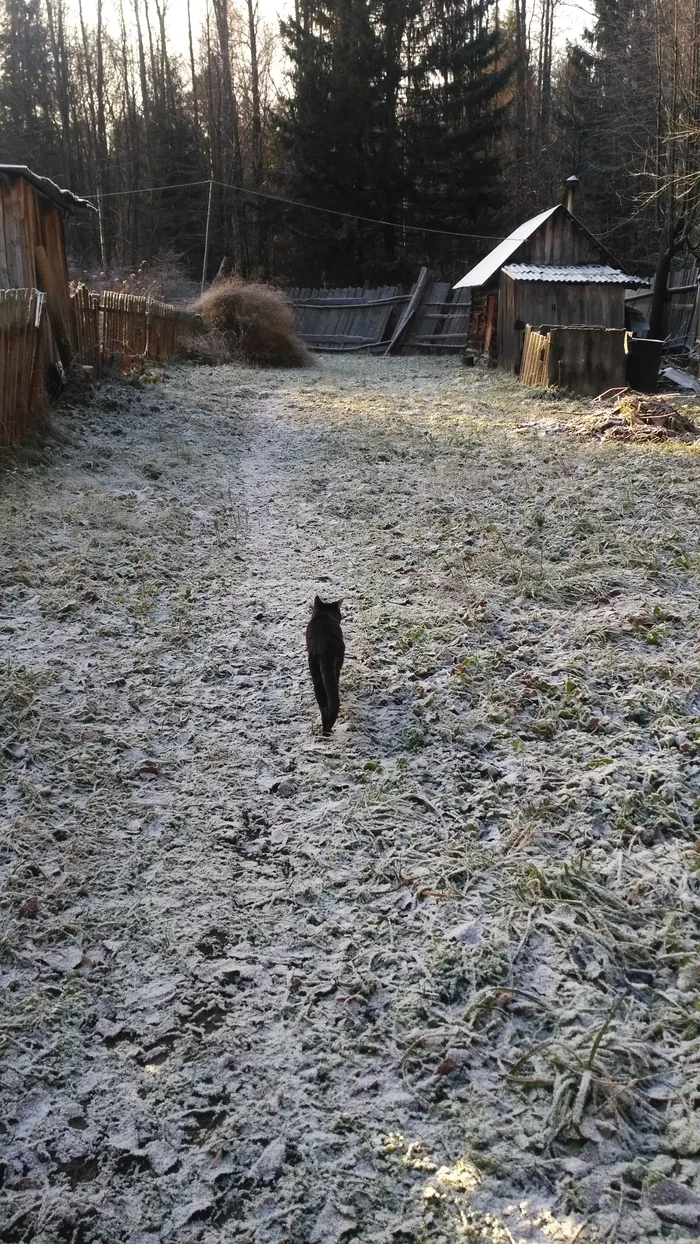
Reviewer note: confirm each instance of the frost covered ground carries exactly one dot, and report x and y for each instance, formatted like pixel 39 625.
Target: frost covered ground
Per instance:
pixel 433 980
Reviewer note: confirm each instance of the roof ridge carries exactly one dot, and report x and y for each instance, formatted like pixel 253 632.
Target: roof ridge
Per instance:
pixel 486 268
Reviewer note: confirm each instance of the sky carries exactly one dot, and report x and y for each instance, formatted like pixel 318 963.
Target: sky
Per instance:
pixel 571 17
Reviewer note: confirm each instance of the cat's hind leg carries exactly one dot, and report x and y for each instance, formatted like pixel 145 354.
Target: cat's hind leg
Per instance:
pixel 319 686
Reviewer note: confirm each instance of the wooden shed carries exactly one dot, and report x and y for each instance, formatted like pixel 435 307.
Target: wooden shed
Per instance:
pixel 550 271
pixel 32 248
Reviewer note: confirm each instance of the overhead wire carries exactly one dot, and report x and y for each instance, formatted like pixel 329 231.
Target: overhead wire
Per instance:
pixel 309 207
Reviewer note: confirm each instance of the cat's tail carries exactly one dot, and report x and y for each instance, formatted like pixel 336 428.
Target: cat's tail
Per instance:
pixel 329 673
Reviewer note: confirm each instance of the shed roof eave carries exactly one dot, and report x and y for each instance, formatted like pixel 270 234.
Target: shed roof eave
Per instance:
pixel 62 198
pixel 572 274
pixel 491 263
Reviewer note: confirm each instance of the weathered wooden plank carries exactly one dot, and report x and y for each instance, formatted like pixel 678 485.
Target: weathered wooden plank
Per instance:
pixel 414 302
pixel 14 240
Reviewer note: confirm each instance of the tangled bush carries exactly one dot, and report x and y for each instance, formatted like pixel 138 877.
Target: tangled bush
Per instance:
pixel 256 322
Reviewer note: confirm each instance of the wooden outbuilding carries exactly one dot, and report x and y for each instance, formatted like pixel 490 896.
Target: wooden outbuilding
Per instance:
pixel 33 252
pixel 549 271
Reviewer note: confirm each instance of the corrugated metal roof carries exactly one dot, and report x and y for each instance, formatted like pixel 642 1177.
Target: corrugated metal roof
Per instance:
pixel 64 198
pixel 583 273
pixel 487 267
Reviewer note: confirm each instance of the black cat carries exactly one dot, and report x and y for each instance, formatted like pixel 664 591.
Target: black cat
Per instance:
pixel 324 644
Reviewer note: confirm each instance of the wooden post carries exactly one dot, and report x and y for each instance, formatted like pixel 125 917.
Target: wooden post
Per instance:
pixel 54 308
pixel 402 326
pixel 206 240
pixel 490 317
pixel 101 227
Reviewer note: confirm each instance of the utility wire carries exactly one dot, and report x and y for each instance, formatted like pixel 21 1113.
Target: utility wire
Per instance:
pixel 309 207
pixel 178 185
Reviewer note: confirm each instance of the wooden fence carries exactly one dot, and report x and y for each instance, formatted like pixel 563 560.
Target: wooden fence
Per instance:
pixel 21 383
pixel 101 326
pixel 681 322
pixel 345 319
pixel 114 324
pixel 341 320
pixel 85 307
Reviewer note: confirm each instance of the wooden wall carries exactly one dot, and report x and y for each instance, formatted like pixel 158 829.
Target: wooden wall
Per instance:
pixel 29 220
pixel 543 302
pixel 582 360
pixel 561 240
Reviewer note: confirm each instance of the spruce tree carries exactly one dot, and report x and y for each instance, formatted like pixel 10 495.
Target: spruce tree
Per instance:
pixel 393 113
pixel 332 132
pixel 455 111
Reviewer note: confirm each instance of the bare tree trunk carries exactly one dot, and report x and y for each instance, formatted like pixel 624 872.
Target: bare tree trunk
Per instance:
pixel 54 21
pixel 672 242
pixel 232 130
pixel 195 101
pixel 256 127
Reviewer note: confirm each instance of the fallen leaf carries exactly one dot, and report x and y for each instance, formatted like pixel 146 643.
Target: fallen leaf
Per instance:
pixel 270 1162
pixel 109 1029
pixel 332 1224
pixel 674 1202
pixel 29 908
pixel 469 934
pixel 64 960
pixel 589 1130
pixel 366 1084
pixel 161 1156
pixel 453 1059
pixel 288 786
pixel 16 751
pixel 197 1206
pixel 148 768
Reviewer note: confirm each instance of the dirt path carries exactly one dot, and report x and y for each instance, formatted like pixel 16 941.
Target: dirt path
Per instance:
pixel 435 979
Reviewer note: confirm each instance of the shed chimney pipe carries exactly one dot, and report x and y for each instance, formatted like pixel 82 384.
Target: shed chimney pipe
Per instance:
pixel 572 185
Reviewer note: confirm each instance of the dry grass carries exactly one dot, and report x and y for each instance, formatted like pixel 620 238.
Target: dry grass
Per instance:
pixel 256 322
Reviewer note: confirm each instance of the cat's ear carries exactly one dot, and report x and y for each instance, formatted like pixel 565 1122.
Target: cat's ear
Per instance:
pixel 317 602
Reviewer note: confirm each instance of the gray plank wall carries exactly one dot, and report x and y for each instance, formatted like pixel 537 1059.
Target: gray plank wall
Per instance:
pixel 364 319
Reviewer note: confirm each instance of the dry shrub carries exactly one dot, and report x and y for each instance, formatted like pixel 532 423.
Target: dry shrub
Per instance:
pixel 206 345
pixel 256 321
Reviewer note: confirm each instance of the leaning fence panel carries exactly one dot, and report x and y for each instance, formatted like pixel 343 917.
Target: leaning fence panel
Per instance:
pixel 22 400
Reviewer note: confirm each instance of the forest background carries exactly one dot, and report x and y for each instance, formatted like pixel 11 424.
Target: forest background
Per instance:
pixel 356 139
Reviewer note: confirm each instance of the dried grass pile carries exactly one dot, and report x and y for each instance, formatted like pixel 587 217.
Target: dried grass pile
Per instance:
pixel 255 322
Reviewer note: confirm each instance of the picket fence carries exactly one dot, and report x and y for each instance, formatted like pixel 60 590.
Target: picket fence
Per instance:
pixel 21 382
pixel 103 327
pixel 112 324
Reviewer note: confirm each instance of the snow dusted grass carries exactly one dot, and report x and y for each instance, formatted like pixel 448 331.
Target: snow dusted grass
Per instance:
pixel 434 980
